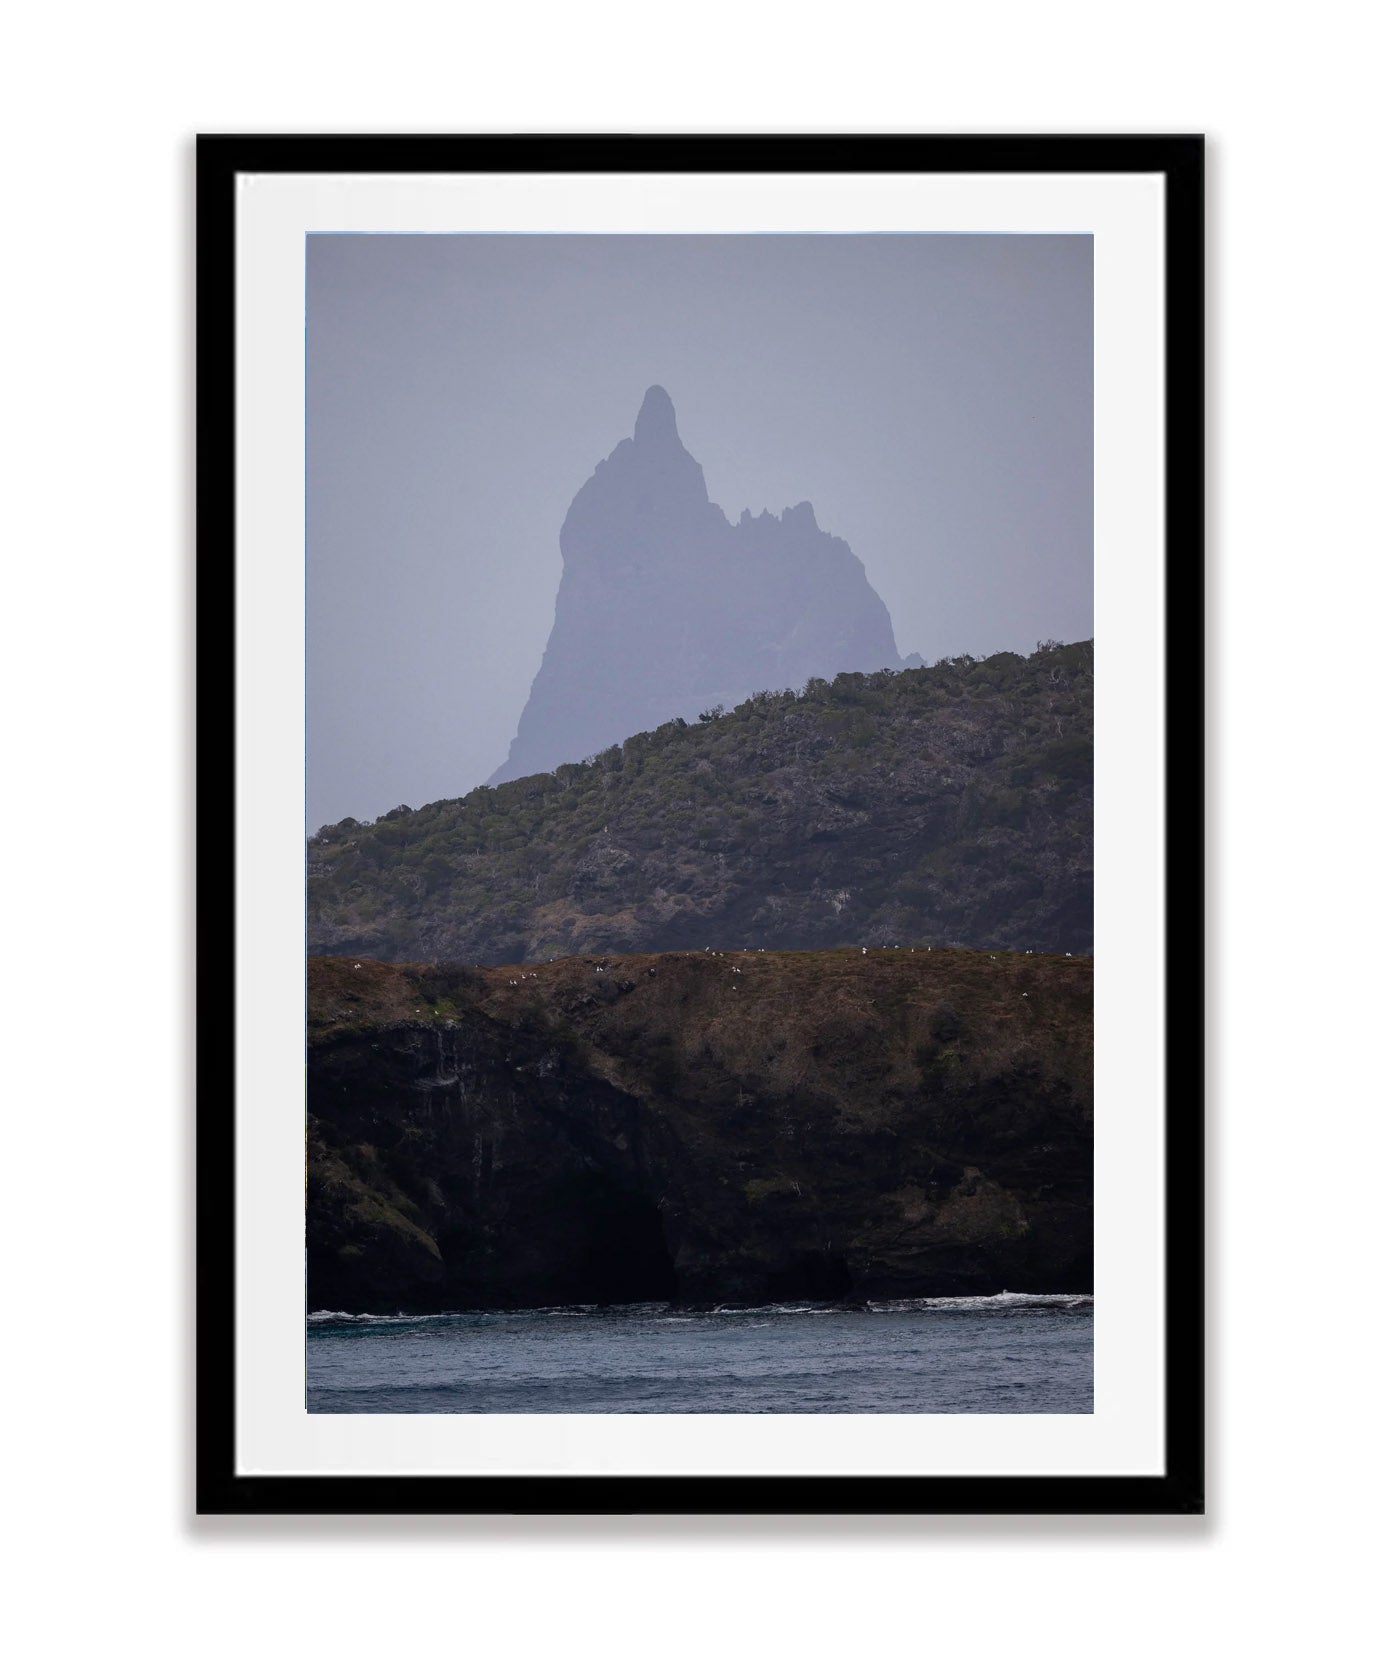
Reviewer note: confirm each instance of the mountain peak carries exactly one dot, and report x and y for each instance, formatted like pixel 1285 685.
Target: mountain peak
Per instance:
pixel 666 610
pixel 656 418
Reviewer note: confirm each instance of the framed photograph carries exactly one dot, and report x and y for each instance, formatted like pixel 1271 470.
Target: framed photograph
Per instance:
pixel 657 836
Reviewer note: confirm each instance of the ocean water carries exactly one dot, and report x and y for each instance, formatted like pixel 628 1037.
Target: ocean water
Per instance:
pixel 995 1353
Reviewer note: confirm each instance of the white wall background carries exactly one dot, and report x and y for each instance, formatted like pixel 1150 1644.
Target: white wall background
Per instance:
pixel 1285 1576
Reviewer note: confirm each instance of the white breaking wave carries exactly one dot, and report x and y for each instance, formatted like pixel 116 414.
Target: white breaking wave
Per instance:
pixel 375 1318
pixel 1007 1300
pixel 980 1303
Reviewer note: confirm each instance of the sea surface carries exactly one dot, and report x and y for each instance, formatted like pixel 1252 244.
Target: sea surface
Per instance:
pixel 992 1353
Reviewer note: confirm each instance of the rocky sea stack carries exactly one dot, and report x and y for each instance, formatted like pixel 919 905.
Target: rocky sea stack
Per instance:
pixel 667 610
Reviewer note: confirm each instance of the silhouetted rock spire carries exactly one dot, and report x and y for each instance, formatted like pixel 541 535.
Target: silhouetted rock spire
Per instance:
pixel 656 420
pixel 665 609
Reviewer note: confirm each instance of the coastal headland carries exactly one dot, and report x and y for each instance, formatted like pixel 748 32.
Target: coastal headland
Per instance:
pixel 845 1124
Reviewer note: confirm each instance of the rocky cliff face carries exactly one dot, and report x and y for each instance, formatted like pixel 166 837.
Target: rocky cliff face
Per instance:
pixel 697 1127
pixel 666 610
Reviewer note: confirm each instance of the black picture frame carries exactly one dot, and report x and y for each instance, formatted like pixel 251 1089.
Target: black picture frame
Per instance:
pixel 1179 161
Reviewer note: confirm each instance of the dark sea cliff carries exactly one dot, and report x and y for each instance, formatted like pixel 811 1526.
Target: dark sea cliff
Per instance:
pixel 698 1128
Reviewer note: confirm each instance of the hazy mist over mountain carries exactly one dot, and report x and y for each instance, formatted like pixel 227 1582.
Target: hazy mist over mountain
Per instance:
pixel 667 610
pixel 929 395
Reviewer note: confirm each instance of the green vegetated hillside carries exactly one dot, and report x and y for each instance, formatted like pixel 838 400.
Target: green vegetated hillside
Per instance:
pixel 698 1127
pixel 949 805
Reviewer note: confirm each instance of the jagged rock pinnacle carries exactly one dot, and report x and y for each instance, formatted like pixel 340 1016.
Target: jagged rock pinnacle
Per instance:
pixel 667 610
pixel 656 418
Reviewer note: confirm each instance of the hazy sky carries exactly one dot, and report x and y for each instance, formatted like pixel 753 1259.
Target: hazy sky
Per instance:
pixel 930 395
